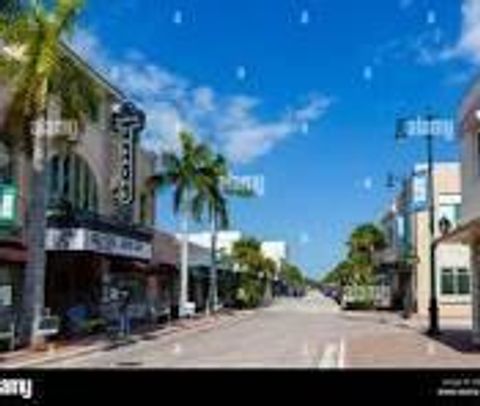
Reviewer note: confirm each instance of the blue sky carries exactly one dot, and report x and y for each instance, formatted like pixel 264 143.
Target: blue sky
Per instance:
pixel 304 93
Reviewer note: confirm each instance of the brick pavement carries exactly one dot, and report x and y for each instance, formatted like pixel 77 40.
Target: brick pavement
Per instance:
pixel 66 350
pixel 404 344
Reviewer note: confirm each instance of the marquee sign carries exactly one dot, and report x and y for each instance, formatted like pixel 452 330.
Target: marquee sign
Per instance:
pixel 128 122
pixel 82 239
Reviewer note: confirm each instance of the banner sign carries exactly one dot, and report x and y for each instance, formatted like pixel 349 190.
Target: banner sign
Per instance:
pixel 420 192
pixel 81 239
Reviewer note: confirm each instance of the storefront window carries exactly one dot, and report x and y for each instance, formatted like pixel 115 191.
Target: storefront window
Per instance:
pixel 72 179
pixel 456 281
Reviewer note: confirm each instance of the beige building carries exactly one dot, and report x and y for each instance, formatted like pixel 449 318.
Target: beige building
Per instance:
pixel 468 230
pixel 100 212
pixel 406 260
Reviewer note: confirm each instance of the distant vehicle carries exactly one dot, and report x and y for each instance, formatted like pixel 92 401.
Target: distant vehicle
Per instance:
pixel 333 292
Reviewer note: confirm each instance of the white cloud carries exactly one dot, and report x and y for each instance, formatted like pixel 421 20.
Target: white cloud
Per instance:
pixel 424 48
pixel 468 45
pixel 172 103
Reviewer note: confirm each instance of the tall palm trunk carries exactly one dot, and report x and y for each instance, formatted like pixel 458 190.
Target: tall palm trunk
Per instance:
pixel 184 263
pixel 34 278
pixel 213 287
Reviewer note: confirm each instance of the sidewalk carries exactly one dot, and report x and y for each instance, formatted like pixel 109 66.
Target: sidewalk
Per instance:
pixel 403 343
pixel 57 351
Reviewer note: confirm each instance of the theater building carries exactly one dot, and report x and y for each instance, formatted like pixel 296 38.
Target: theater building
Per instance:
pixel 100 217
pixel 100 212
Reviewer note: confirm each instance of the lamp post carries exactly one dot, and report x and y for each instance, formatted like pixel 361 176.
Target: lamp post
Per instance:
pixel 426 131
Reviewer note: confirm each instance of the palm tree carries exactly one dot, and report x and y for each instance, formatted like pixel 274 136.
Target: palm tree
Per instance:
pixel 212 199
pixel 190 176
pixel 40 71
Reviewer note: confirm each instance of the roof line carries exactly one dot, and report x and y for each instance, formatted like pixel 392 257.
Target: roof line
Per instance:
pixel 89 69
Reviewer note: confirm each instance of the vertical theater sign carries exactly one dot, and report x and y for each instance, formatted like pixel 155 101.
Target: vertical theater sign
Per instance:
pixel 127 123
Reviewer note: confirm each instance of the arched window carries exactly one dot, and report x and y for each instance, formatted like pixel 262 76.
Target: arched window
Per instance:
pixel 71 179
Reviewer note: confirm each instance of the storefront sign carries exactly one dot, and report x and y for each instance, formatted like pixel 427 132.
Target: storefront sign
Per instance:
pixel 8 200
pixel 82 239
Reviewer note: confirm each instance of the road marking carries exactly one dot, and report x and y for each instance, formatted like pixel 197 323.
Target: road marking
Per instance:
pixel 306 350
pixel 341 354
pixel 177 349
pixel 431 349
pixel 333 356
pixel 329 359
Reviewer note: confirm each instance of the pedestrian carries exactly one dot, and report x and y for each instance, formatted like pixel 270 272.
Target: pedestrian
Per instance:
pixel 124 316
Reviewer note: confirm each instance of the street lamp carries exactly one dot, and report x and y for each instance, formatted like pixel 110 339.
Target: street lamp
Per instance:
pixel 402 132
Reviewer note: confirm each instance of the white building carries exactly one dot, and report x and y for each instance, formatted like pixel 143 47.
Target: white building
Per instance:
pixel 225 239
pixel 275 250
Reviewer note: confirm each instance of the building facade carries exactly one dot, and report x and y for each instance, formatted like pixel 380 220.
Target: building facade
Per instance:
pixel 405 261
pixel 468 229
pixel 100 212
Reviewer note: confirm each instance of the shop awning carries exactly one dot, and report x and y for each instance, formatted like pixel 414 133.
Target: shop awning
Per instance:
pixel 13 254
pixel 463 234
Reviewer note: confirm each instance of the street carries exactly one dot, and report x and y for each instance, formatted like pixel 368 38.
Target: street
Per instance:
pixel 310 332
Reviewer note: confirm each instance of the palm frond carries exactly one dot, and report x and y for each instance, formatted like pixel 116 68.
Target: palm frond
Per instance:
pixel 66 13
pixel 80 97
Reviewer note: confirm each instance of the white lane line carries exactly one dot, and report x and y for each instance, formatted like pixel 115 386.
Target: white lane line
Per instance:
pixel 329 360
pixel 177 349
pixel 341 354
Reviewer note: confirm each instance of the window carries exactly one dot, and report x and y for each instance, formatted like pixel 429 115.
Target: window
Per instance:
pixel 72 179
pixel 451 212
pixel 455 281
